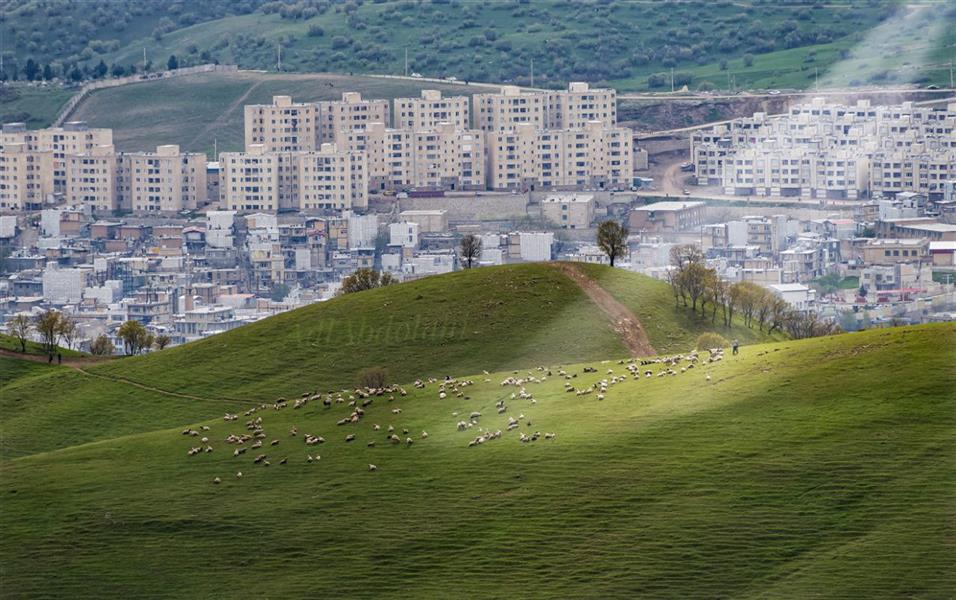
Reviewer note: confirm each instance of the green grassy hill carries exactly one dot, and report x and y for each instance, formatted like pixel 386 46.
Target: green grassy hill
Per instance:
pixel 194 111
pixel 494 318
pixel 820 468
pixel 490 318
pixel 760 44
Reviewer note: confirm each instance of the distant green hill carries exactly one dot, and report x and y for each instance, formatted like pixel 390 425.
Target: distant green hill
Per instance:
pixel 819 468
pixel 491 318
pixel 632 45
pixel 195 110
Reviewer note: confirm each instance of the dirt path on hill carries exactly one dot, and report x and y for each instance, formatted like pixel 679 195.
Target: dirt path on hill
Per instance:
pixel 77 364
pixel 224 116
pixel 625 323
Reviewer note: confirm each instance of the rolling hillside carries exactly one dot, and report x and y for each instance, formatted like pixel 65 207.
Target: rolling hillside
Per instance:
pixel 491 318
pixel 194 111
pixel 758 44
pixel 821 468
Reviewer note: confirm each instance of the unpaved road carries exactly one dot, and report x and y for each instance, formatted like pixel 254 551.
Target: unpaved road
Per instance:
pixel 625 323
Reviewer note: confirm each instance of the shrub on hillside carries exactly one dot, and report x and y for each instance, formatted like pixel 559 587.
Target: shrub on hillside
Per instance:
pixel 373 377
pixel 709 340
pixel 365 279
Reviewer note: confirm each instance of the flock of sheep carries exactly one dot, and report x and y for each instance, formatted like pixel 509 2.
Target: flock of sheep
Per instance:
pixel 356 401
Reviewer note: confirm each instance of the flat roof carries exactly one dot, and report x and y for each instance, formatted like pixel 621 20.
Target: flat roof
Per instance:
pixel 896 242
pixel 789 287
pixel 669 206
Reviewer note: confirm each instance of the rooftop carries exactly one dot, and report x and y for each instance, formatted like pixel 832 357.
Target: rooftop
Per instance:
pixel 669 206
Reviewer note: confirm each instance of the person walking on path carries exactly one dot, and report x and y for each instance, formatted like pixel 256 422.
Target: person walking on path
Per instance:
pixel 59 358
pixel 736 345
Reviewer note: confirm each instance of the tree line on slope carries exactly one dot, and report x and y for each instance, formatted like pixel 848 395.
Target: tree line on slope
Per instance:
pixel 700 288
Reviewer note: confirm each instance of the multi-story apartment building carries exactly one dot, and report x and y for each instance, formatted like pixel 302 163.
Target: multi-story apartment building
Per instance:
pixel 73 138
pixel 352 112
pixel 595 157
pixel 431 110
pixel 449 158
pixel 823 150
pixel 389 154
pixel 445 157
pixel 249 180
pixel 580 105
pixel 283 126
pixel 91 179
pixel 167 180
pixel 573 108
pixel 26 177
pixel 258 180
pixel 332 179
pixel 511 107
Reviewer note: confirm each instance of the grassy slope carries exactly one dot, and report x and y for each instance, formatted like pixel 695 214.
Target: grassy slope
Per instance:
pixel 455 323
pixel 193 111
pixel 490 318
pixel 37 107
pixel 47 407
pixel 11 343
pixel 643 24
pixel 803 469
pixel 670 329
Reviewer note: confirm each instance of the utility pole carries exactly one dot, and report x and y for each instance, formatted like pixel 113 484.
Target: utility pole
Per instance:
pixel 672 80
pixel 816 78
pixel 950 74
pixel 279 54
pixel 406 62
pixel 144 59
pixel 532 72
pixel 215 148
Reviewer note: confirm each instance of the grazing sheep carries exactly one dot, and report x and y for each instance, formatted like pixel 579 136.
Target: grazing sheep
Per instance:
pixel 424 434
pixel 708 377
pixel 370 444
pixel 239 475
pixel 549 436
pixel 396 411
pixel 372 467
pixel 284 461
pixel 375 427
pixel 350 437
pixel 408 441
pixel 274 443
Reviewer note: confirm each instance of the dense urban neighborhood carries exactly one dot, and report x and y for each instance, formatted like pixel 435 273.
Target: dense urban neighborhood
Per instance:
pixel 190 247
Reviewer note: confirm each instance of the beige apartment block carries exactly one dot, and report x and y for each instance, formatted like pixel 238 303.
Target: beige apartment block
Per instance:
pixel 258 180
pixel 167 180
pixel 26 177
pixel 892 251
pixel 429 111
pixel 449 158
pixel 73 138
pixel 389 154
pixel 250 180
pixel 594 157
pixel 511 107
pixel 580 105
pixel 352 112
pixel 332 179
pixel 283 126
pixel 91 179
pixel 569 211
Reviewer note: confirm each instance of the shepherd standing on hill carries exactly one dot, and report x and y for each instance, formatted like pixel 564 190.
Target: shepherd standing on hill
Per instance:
pixel 735 344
